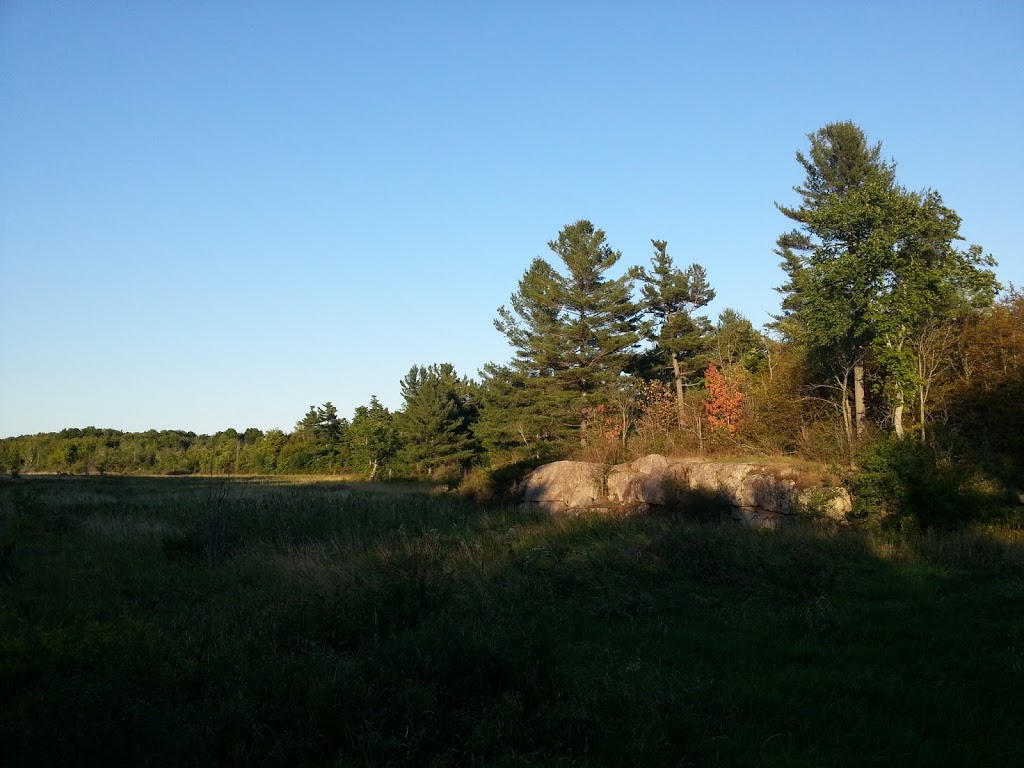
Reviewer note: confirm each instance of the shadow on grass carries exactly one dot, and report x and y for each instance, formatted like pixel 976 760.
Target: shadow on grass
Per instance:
pixel 371 630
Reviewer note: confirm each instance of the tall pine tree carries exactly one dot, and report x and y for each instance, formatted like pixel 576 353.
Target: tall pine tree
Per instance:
pixel 671 295
pixel 573 333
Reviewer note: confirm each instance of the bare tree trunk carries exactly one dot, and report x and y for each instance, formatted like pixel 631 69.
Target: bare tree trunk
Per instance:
pixel 860 411
pixel 921 400
pixel 897 415
pixel 698 427
pixel 844 406
pixel 679 390
pixel 934 353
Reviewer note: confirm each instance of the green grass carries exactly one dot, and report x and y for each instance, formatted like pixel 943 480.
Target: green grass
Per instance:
pixel 194 622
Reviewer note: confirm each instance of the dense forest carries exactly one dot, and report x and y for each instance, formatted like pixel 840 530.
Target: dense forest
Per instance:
pixel 895 351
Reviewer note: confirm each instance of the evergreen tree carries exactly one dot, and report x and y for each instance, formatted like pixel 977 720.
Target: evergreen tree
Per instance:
pixel 318 441
pixel 573 333
pixel 520 414
pixel 434 422
pixel 671 295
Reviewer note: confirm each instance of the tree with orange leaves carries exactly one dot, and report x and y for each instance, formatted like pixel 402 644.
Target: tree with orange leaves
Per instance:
pixel 723 405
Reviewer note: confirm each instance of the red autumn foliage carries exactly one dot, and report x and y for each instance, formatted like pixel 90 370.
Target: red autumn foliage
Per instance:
pixel 723 405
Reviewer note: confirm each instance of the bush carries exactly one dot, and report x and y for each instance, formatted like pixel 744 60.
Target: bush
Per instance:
pixel 478 486
pixel 903 483
pixel 446 474
pixel 495 485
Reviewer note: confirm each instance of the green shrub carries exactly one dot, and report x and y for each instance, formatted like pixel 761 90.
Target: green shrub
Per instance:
pixel 903 483
pixel 818 501
pixel 478 486
pixel 495 484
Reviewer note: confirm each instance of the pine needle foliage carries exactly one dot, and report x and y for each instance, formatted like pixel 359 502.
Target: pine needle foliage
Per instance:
pixel 434 422
pixel 573 331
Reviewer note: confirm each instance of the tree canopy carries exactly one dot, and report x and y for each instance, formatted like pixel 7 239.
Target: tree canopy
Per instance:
pixel 573 333
pixel 435 422
pixel 680 338
pixel 869 266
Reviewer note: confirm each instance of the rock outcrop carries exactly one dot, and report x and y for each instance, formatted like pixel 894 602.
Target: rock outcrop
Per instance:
pixel 758 493
pixel 564 486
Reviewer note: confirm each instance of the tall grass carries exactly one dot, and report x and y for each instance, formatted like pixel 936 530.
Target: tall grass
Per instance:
pixel 341 627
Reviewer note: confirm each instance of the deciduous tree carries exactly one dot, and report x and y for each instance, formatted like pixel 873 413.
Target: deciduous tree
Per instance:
pixel 735 341
pixel 724 399
pixel 870 265
pixel 373 437
pixel 829 288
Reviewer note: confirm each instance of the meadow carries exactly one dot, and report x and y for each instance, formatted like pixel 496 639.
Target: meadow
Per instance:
pixel 192 622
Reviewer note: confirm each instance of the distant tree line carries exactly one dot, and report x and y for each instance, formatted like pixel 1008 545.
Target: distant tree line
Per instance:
pixel 889 330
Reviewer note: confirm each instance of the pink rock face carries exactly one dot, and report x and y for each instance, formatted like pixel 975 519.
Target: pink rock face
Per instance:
pixel 648 464
pixel 564 485
pixel 626 487
pixel 655 481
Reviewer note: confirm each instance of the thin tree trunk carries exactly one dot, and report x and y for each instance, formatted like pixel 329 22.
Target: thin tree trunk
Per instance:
pixel 934 355
pixel 848 419
pixel 860 411
pixel 897 414
pixel 681 407
pixel 921 399
pixel 923 382
pixel 679 391
pixel 844 406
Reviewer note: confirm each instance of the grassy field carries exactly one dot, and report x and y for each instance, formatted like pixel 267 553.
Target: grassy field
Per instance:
pixel 187 622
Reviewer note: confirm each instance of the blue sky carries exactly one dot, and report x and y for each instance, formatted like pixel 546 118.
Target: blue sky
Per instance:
pixel 214 215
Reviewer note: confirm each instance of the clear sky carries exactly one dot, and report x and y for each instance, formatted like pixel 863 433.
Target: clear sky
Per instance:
pixel 215 214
